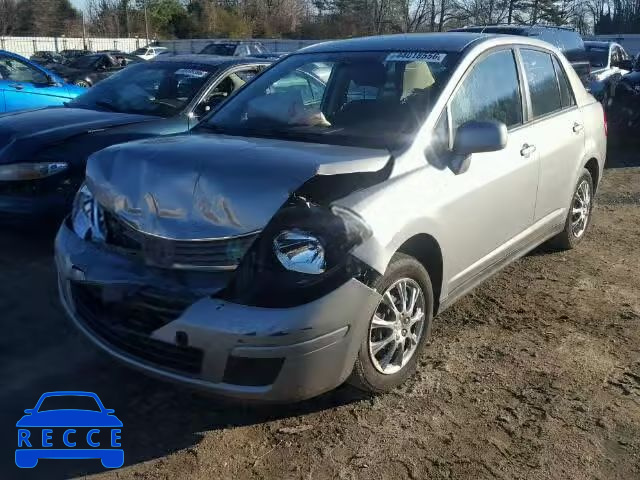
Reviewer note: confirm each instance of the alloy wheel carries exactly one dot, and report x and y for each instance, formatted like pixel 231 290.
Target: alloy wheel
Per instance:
pixel 581 208
pixel 397 326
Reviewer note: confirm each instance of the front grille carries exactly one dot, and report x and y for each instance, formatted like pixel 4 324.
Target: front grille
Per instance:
pixel 167 253
pixel 126 325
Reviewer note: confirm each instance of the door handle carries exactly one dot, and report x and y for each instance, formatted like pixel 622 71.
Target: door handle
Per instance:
pixel 578 127
pixel 17 86
pixel 527 150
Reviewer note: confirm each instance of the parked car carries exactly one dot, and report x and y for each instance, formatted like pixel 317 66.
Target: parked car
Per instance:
pixel 88 70
pixel 70 54
pixel 25 84
pixel 234 48
pixel 43 154
pixel 303 235
pixel 568 41
pixel 624 108
pixel 45 58
pixel 609 62
pixel 147 53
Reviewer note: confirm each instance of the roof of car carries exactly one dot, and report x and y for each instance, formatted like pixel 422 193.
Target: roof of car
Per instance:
pixel 451 42
pixel 511 27
pixel 214 60
pixel 597 43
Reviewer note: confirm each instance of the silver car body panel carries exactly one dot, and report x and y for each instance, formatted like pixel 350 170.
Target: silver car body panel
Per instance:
pixel 505 204
pixel 197 195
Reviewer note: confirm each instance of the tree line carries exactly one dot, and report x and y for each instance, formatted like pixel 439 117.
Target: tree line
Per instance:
pixel 304 18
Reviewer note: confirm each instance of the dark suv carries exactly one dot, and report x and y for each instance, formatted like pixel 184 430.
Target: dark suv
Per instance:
pixel 566 40
pixel 234 48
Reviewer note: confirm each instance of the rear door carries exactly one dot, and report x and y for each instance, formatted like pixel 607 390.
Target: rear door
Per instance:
pixel 24 86
pixel 558 130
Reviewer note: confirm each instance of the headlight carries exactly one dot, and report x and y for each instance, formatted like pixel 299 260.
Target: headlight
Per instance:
pixel 30 171
pixel 300 251
pixel 302 254
pixel 87 217
pixel 315 239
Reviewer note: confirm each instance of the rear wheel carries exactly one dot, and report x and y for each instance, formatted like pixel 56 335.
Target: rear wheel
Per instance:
pixel 398 328
pixel 82 83
pixel 579 215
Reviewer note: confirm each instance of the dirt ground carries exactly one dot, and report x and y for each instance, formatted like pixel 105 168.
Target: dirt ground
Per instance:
pixel 535 375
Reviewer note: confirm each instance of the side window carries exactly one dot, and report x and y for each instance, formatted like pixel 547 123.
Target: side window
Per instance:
pixel 543 86
pixel 566 95
pixel 615 57
pixel 310 90
pixel 491 91
pixel 357 92
pixel 17 71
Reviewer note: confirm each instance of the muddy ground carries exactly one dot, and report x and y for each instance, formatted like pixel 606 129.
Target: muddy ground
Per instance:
pixel 534 375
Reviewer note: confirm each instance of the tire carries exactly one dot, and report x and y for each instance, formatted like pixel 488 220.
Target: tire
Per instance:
pixel 82 83
pixel 571 236
pixel 371 373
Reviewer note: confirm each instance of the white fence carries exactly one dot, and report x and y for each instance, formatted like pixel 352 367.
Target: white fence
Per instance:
pixel 630 42
pixel 273 45
pixel 26 46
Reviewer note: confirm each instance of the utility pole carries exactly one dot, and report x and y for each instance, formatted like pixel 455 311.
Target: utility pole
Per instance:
pixel 84 32
pixel 146 23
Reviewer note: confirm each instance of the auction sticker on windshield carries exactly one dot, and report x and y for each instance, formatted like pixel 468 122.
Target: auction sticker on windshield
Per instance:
pixel 69 425
pixel 432 57
pixel 190 72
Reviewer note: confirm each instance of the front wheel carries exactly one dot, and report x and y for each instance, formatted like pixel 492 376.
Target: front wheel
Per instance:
pixel 82 83
pixel 398 328
pixel 579 215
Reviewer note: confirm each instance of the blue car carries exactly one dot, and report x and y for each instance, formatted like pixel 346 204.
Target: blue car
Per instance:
pixel 89 432
pixel 25 84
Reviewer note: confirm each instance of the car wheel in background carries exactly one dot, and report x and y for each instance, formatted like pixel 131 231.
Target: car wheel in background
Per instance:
pixel 579 215
pixel 399 328
pixel 82 83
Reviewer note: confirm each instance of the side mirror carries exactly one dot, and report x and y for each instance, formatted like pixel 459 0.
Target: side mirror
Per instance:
pixel 476 137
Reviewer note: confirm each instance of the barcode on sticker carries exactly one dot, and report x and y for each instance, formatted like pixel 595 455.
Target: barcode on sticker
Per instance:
pixel 413 56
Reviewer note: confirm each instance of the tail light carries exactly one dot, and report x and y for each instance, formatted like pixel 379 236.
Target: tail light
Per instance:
pixel 606 127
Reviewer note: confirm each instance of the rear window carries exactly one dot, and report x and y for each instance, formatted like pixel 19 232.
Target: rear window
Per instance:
pixel 543 85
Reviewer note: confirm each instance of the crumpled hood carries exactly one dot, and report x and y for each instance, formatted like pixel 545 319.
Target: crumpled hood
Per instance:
pixel 24 133
pixel 213 186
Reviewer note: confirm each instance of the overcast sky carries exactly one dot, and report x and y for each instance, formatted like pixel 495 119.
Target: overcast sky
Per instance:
pixel 79 4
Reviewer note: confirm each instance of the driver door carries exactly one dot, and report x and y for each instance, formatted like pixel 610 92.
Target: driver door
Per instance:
pixel 25 86
pixel 489 207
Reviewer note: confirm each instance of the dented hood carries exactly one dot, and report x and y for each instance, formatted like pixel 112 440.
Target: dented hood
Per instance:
pixel 25 133
pixel 213 186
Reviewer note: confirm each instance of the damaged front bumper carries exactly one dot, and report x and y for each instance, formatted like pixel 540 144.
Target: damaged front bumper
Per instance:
pixel 168 324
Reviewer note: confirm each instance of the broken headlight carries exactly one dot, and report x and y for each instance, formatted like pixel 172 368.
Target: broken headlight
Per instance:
pixel 300 251
pixel 87 217
pixel 302 254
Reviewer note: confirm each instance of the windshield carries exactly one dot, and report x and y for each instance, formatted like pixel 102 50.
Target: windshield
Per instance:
pixel 375 99
pixel 69 402
pixel 223 49
pixel 148 88
pixel 85 62
pixel 598 56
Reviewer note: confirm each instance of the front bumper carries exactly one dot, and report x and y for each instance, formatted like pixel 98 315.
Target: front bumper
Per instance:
pixel 271 354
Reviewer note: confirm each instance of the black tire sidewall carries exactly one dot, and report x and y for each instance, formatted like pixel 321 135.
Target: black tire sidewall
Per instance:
pixel 369 378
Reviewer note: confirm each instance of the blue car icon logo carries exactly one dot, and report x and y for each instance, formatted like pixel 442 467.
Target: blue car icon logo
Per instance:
pixel 69 425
